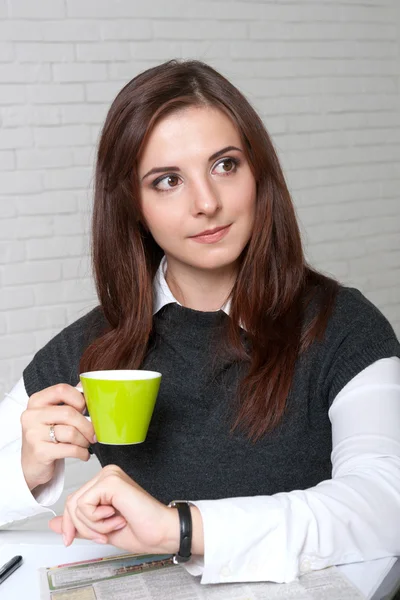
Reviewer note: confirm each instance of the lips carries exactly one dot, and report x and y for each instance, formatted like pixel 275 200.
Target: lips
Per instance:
pixel 210 231
pixel 211 236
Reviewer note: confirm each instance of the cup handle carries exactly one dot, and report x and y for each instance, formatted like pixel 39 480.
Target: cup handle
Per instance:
pixel 80 389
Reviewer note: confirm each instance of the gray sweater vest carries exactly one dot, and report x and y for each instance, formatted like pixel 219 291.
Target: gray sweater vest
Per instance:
pixel 189 452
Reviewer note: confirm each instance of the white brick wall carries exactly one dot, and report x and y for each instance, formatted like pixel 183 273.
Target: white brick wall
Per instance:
pixel 323 74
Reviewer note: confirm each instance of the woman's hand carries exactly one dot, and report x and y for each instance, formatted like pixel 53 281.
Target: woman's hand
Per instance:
pixel 73 432
pixel 111 508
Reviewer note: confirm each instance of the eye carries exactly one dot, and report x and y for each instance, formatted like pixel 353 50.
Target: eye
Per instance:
pixel 228 165
pixel 165 183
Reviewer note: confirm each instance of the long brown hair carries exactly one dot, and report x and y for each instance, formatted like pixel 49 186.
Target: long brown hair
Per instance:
pixel 274 284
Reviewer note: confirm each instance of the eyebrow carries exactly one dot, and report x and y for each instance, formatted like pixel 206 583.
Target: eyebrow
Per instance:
pixel 174 168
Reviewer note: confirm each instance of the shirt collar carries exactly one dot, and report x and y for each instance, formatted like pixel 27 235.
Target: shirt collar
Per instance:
pixel 162 294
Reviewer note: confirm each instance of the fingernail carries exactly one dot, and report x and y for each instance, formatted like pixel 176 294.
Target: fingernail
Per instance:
pixel 99 541
pixel 65 540
pixel 94 439
pixel 119 526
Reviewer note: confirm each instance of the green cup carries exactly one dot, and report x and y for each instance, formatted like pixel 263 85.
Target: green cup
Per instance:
pixel 120 403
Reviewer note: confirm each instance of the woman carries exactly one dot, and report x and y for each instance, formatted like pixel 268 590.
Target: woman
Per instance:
pixel 278 415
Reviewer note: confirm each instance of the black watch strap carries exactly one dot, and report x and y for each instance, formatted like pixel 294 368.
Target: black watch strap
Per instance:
pixel 185 526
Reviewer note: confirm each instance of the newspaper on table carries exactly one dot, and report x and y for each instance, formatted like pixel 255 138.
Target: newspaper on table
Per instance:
pixel 155 577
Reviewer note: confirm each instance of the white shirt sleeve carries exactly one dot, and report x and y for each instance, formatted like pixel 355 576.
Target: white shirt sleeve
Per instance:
pixel 353 517
pixel 16 500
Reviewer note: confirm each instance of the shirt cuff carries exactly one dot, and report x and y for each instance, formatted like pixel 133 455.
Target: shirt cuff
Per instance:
pixel 16 500
pixel 250 564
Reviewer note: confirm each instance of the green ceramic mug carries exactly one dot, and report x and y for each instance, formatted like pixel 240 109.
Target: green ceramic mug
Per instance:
pixel 120 403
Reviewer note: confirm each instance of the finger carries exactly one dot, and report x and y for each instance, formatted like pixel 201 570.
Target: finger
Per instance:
pixel 67 415
pixel 100 524
pixel 73 527
pixel 55 524
pixel 66 434
pixel 70 507
pixel 68 527
pixel 53 395
pixel 47 453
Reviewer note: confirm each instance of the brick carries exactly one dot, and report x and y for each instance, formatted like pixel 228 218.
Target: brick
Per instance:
pixel 18 137
pixel 55 247
pixel 76 268
pixel 35 318
pixel 328 213
pixel 385 296
pixel 67 179
pixel 268 30
pixel 12 94
pixel 85 155
pixel 47 203
pixel 207 50
pixel 45 9
pixel 64 292
pixel 7 160
pixel 106 92
pixel 103 51
pixel 75 310
pixel 14 183
pixel 67 135
pixel 155 50
pixel 18 116
pixel 360 266
pixel 379 280
pixel 16 297
pixel 15 31
pixel 44 52
pixel 15 345
pixel 341 156
pixel 84 113
pixel 11 252
pixel 126 29
pixel 34 227
pixel 281 49
pixel 126 71
pixel 7 52
pixel 100 9
pixel 55 94
pixel 7 208
pixel 39 159
pixel 75 72
pixel 71 224
pixel 70 30
pixel 199 30
pixel 18 73
pixel 35 272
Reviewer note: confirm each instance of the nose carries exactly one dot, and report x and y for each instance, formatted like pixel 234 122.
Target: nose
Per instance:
pixel 205 199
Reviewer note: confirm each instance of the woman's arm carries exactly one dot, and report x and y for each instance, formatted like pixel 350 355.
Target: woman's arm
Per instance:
pixel 16 500
pixel 354 516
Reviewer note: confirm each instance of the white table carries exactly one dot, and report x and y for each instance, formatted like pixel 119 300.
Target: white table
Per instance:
pixel 41 549
pixel 46 549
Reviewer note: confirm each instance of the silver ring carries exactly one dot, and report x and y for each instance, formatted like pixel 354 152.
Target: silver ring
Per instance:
pixel 53 435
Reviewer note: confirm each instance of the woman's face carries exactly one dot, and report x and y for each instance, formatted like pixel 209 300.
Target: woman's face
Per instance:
pixel 197 190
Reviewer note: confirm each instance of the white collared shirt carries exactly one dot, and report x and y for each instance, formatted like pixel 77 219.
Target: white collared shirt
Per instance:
pixel 277 537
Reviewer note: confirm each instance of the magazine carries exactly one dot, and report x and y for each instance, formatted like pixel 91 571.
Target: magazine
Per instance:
pixel 155 577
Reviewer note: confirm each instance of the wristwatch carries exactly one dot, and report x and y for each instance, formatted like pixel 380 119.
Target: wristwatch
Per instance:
pixel 185 525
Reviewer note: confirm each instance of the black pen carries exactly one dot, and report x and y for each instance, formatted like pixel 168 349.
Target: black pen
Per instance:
pixel 10 567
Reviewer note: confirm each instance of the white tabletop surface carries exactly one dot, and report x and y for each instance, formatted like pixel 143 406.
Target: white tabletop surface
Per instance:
pixel 46 549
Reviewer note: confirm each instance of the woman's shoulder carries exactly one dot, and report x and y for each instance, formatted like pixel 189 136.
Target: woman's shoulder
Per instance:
pixel 58 361
pixel 352 310
pixel 357 335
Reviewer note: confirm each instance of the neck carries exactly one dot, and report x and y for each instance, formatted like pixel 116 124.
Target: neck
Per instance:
pixel 200 289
